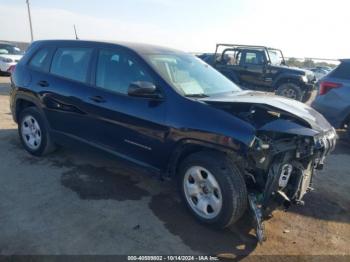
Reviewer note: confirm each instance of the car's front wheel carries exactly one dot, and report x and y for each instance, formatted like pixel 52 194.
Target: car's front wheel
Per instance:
pixel 213 188
pixel 33 132
pixel 289 90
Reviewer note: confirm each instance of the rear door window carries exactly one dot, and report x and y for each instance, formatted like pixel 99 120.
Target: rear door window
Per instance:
pixel 41 59
pixel 342 71
pixel 72 63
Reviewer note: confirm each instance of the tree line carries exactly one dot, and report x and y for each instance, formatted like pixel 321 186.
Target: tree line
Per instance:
pixel 307 63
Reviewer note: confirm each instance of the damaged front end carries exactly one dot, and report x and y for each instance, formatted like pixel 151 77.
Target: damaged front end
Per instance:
pixel 290 144
pixel 282 169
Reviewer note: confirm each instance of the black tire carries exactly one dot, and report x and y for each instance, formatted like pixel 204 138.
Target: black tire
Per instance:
pixel 306 97
pixel 231 182
pixel 289 90
pixel 2 73
pixel 46 146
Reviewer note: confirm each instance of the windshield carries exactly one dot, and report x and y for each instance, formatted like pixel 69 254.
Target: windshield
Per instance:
pixel 276 57
pixel 10 50
pixel 190 75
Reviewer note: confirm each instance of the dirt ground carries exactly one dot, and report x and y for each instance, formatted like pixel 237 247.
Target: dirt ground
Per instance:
pixel 83 201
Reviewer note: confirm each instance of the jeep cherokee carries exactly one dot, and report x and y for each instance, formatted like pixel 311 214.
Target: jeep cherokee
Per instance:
pixel 171 112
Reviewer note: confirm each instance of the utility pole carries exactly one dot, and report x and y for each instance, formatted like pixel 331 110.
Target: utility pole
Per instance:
pixel 30 22
pixel 76 35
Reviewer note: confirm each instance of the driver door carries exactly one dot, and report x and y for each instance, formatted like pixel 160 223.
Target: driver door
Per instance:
pixel 132 127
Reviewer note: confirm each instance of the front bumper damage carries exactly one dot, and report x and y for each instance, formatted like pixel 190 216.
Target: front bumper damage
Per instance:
pixel 287 174
pixel 289 144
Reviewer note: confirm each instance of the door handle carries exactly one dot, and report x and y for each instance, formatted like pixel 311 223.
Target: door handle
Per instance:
pixel 43 83
pixel 97 99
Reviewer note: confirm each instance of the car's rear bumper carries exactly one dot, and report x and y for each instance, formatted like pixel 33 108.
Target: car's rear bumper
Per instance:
pixel 331 111
pixel 4 67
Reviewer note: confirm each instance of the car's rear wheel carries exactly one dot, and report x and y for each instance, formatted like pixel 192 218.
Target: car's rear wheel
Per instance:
pixel 34 132
pixel 289 90
pixel 213 188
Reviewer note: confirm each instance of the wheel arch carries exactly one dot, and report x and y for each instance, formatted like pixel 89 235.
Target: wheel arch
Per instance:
pixel 287 79
pixel 23 102
pixel 187 147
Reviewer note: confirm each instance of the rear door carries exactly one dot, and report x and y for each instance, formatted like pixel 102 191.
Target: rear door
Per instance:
pixel 130 126
pixel 64 87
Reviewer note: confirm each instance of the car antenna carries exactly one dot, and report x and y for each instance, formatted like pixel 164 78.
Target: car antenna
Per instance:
pixel 76 35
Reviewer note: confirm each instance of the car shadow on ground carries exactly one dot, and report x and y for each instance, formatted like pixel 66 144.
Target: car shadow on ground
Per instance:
pixel 322 203
pixel 237 241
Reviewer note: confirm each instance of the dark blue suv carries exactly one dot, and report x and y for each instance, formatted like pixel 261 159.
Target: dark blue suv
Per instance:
pixel 171 112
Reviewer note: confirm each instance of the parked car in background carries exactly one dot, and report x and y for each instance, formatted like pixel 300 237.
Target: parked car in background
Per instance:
pixel 333 99
pixel 319 72
pixel 327 68
pixel 9 57
pixel 170 112
pixel 261 68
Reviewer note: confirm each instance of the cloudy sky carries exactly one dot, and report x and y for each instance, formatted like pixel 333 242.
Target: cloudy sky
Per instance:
pixel 302 28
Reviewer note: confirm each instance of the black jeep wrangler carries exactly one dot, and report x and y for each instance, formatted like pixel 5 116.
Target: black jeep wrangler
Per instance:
pixel 261 68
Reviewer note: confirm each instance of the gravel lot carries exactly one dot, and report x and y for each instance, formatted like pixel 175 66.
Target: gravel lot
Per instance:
pixel 82 201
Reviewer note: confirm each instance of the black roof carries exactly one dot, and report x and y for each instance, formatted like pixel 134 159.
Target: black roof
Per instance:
pixel 137 47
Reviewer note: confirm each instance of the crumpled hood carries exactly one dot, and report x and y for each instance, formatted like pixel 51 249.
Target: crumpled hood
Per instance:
pixel 292 107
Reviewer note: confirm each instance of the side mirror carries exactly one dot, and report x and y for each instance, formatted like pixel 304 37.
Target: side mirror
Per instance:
pixel 143 89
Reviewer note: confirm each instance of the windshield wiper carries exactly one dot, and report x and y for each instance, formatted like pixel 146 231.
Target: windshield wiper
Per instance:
pixel 197 95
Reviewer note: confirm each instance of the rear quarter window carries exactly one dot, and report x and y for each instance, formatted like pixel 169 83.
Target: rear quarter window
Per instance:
pixel 40 59
pixel 71 63
pixel 342 71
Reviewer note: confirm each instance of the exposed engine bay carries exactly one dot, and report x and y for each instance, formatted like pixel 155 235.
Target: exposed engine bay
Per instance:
pixel 282 158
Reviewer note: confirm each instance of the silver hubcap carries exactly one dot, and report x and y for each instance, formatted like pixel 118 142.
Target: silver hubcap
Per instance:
pixel 202 192
pixel 31 132
pixel 290 93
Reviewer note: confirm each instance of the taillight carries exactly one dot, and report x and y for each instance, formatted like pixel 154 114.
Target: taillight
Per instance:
pixel 325 86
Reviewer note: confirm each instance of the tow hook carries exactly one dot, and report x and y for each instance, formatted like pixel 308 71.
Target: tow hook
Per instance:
pixel 258 219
